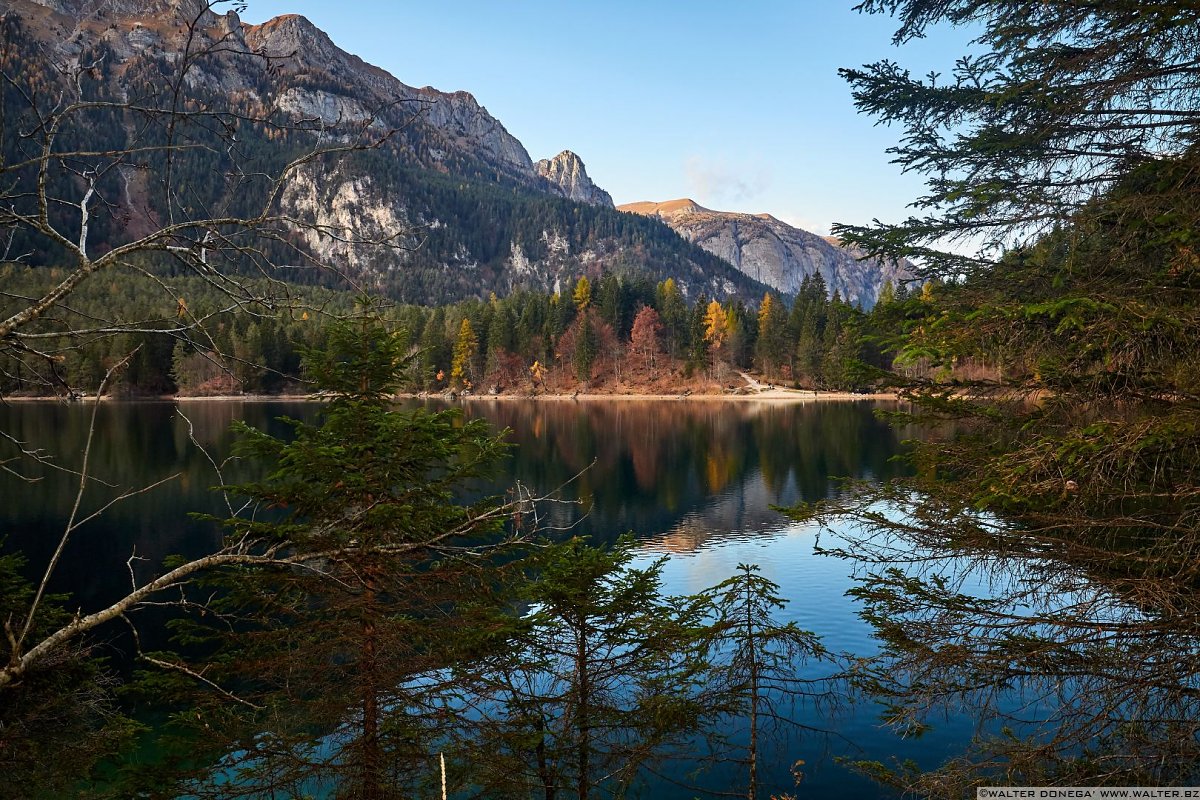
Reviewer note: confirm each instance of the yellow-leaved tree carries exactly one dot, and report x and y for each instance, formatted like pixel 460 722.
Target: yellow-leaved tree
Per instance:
pixel 465 349
pixel 716 331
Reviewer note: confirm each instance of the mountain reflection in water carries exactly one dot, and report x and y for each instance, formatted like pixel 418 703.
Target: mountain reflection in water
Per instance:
pixel 680 473
pixel 693 478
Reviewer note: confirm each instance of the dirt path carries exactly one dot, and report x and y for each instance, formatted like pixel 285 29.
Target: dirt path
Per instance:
pixel 750 382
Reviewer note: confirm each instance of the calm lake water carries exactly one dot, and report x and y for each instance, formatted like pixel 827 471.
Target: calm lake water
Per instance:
pixel 692 479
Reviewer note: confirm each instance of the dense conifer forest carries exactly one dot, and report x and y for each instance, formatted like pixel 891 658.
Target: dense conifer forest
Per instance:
pixel 615 333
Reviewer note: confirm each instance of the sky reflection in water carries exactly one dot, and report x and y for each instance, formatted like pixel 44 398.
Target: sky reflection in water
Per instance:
pixel 693 479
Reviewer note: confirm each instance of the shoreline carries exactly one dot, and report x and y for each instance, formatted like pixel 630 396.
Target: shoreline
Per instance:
pixel 770 395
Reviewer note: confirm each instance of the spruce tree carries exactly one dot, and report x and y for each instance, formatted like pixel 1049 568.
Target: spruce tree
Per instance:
pixel 757 659
pixel 587 347
pixel 466 349
pixel 1058 346
pixel 772 344
pixel 332 669
pixel 603 678
pixel 434 349
pixel 673 310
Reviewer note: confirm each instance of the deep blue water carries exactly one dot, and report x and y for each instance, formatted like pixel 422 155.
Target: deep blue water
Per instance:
pixel 692 479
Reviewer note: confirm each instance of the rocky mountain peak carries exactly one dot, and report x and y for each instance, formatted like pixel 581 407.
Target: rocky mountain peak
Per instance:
pixel 567 172
pixel 441 139
pixel 774 253
pixel 669 208
pixel 358 89
pixel 293 34
pixel 109 9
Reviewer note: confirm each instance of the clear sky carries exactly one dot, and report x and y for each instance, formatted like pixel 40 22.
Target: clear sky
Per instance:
pixel 734 103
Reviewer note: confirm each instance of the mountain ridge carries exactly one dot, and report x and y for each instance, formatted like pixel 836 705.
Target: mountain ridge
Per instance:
pixel 468 210
pixel 773 252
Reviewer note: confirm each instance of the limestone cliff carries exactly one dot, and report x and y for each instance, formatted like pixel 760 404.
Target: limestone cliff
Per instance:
pixel 437 206
pixel 567 172
pixel 772 252
pixel 286 63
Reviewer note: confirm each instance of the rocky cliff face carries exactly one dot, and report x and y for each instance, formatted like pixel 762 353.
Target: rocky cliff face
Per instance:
pixel 773 252
pixel 566 171
pixel 286 63
pixel 290 64
pixel 302 49
pixel 440 208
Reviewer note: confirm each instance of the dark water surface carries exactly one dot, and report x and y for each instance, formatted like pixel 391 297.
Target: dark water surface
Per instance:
pixel 693 479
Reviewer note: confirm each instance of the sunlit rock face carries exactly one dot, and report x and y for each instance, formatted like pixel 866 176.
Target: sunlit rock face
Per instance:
pixel 433 207
pixel 566 171
pixel 774 253
pixel 286 63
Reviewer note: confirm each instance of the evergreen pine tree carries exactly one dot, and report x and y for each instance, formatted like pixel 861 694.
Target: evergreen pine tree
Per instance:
pixel 757 659
pixel 339 661
pixel 587 347
pixel 603 678
pixel 466 348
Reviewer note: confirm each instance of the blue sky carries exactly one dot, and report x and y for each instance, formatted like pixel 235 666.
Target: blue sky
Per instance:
pixel 736 105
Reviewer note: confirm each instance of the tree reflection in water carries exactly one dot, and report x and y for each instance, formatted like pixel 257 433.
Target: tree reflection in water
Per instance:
pixel 693 467
pixel 691 470
pixel 1078 669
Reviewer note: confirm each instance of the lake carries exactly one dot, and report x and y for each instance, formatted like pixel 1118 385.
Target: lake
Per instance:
pixel 693 479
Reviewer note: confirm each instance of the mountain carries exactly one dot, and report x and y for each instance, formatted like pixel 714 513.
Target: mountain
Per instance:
pixel 286 62
pixel 474 213
pixel 774 253
pixel 567 172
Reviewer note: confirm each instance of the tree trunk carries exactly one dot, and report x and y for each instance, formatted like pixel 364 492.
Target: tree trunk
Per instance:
pixel 583 688
pixel 372 757
pixel 752 788
pixel 549 789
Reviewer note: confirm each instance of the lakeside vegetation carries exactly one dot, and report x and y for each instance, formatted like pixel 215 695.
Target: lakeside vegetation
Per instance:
pixel 1059 227
pixel 360 618
pixel 610 334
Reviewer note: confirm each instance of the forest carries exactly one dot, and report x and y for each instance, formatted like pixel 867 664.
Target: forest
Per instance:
pixel 610 334
pixel 355 635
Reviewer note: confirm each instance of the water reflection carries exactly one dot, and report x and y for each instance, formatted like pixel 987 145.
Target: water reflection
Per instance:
pixel 688 472
pixel 680 474
pixel 1080 666
pixel 693 478
pixel 815 587
pixel 1009 632
pixel 135 445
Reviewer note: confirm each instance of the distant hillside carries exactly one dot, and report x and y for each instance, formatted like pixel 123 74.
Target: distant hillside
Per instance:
pixel 774 253
pixel 477 214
